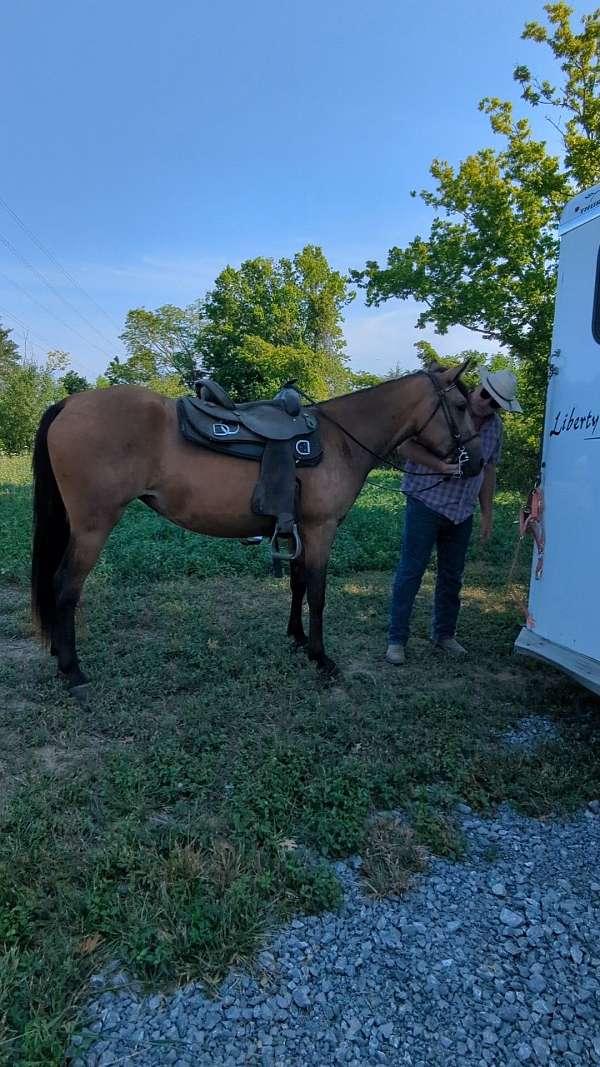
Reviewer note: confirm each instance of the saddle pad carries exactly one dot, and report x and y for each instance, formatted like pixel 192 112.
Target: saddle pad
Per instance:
pixel 220 432
pixel 267 418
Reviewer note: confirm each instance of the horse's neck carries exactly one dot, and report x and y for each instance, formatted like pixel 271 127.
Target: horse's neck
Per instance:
pixel 379 418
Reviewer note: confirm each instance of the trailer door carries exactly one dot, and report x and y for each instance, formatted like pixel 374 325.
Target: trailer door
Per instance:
pixel 564 603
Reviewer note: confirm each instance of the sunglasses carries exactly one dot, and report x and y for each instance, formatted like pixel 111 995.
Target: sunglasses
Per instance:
pixel 495 406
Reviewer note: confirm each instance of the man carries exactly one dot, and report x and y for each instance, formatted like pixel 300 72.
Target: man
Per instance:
pixel 442 516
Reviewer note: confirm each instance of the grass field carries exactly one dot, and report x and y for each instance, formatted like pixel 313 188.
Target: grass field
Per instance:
pixel 194 803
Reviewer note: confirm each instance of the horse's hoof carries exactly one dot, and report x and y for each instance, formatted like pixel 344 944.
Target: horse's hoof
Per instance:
pixel 298 643
pixel 331 671
pixel 327 667
pixel 81 693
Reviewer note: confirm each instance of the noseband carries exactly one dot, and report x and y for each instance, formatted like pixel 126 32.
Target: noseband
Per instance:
pixel 442 402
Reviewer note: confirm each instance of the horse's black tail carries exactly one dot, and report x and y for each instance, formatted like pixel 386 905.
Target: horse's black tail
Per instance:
pixel 51 529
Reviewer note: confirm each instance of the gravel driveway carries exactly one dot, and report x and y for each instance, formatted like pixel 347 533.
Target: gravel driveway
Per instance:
pixel 491 961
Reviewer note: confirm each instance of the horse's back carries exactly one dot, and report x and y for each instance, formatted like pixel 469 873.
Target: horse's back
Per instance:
pixel 100 405
pixel 114 415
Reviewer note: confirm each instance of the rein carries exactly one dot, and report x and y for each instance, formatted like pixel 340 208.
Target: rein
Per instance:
pixel 443 403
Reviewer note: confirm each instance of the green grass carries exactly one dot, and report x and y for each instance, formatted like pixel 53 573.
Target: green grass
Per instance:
pixel 143 548
pixel 193 805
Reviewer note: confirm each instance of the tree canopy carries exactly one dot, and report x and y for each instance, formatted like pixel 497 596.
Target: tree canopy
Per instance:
pixel 9 354
pixel 27 388
pixel 260 325
pixel 489 262
pixel 72 382
pixel 160 344
pixel 269 320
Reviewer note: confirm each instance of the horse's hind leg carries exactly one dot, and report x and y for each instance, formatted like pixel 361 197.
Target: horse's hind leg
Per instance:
pixel 82 552
pixel 317 546
pixel 298 586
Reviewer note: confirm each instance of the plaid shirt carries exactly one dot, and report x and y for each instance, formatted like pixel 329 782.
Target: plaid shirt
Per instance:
pixel 456 498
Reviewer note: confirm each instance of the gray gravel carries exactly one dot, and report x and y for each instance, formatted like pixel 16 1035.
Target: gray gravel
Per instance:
pixel 530 732
pixel 492 961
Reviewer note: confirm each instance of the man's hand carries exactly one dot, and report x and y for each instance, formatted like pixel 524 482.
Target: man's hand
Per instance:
pixel 485 527
pixel 415 453
pixel 448 468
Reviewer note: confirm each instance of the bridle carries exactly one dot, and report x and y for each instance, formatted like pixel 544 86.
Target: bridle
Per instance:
pixel 458 447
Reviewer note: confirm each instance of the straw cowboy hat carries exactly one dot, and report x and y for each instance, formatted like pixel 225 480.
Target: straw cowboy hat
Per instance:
pixel 502 386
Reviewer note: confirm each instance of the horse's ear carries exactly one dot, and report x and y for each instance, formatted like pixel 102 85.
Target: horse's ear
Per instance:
pixel 452 374
pixel 464 367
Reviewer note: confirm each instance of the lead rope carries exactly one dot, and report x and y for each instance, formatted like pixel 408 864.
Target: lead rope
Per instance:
pixel 530 522
pixel 531 515
pixel 462 458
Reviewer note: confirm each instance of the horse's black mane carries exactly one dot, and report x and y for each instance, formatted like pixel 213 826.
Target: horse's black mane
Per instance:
pixel 464 389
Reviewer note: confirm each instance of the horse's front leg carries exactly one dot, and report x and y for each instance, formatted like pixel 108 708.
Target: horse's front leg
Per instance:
pixel 317 546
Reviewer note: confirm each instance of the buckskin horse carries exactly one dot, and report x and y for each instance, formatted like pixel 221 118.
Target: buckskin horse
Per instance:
pixel 97 451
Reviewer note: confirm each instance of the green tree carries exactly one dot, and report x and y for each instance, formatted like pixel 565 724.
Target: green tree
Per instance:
pixel 268 366
pixel 579 96
pixel 426 354
pixel 9 354
pixel 268 321
pixel 362 379
pixel 160 344
pixel 56 361
pixel 490 260
pixel 73 382
pixel 26 392
pixel 138 369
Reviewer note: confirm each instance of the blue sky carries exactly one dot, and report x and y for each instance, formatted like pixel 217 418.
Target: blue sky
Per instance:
pixel 147 145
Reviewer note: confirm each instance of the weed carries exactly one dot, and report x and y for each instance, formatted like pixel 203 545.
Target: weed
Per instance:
pixel 391 856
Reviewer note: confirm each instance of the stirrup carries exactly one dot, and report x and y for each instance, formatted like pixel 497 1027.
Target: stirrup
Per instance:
pixel 285 557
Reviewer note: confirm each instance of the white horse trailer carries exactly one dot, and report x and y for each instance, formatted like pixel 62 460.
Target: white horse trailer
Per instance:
pixel 563 625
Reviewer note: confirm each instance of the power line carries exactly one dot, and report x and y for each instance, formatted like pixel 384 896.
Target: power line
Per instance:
pixel 55 292
pixel 48 344
pixel 52 314
pixel 54 259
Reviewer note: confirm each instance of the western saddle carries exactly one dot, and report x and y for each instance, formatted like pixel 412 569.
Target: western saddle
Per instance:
pixel 281 434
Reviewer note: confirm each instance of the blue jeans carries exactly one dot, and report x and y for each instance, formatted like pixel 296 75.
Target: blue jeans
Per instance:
pixel 424 529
